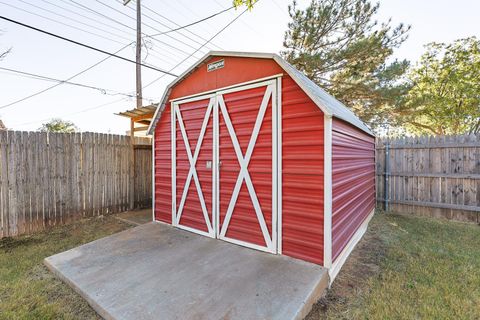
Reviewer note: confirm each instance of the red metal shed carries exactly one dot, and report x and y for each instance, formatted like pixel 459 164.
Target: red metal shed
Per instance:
pixel 248 150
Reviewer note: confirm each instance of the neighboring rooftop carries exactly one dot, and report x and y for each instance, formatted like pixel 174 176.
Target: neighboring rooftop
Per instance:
pixel 140 117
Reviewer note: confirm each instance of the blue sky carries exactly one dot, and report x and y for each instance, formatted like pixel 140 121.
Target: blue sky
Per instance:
pixel 261 29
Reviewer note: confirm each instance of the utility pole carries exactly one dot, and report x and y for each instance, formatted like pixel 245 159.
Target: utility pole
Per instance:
pixel 138 76
pixel 138 51
pixel 139 54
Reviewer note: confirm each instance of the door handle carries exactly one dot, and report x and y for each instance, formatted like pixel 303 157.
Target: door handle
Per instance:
pixel 208 164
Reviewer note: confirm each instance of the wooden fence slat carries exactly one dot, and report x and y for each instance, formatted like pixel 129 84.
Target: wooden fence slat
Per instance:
pixel 49 179
pixel 433 176
pixel 4 196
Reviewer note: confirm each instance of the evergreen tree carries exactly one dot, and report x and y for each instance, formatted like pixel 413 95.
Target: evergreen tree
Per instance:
pixel 339 45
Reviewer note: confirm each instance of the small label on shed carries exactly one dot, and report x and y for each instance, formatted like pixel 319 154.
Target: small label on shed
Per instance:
pixel 215 65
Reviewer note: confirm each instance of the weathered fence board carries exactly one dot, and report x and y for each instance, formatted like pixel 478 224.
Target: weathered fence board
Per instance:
pixel 432 176
pixel 48 179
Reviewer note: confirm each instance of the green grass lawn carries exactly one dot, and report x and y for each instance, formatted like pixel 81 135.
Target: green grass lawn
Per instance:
pixel 404 268
pixel 408 268
pixel 28 290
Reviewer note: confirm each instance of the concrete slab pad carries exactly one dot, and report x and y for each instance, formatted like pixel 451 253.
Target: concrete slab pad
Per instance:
pixel 155 271
pixel 135 217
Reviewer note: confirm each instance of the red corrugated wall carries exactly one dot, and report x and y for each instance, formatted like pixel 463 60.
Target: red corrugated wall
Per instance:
pixel 302 160
pixel 302 152
pixel 163 168
pixel 353 181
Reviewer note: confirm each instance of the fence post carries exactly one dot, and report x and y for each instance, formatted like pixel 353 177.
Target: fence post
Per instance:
pixel 387 174
pixel 131 195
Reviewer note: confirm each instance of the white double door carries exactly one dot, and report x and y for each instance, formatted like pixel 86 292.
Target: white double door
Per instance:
pixel 224 165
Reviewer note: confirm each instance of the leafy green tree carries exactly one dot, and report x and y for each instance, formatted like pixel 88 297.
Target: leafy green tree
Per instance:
pixel 248 3
pixel 58 125
pixel 340 46
pixel 445 94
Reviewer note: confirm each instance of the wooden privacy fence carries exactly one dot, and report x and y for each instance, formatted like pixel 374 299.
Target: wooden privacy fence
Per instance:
pixel 435 176
pixel 52 178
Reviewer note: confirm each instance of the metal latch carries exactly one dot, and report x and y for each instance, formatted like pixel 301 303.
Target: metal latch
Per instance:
pixel 209 164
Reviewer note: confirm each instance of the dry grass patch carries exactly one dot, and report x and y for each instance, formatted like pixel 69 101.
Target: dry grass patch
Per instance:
pixel 28 290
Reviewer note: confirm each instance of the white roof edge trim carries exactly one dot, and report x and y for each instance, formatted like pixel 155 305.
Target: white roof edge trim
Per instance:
pixel 286 67
pixel 330 106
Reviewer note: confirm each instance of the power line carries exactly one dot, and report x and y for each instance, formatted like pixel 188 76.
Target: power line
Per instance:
pixel 56 85
pixel 59 22
pixel 75 20
pixel 85 45
pixel 69 78
pixel 45 78
pixel 85 8
pixel 208 26
pixel 165 43
pixel 115 101
pixel 256 31
pixel 82 30
pixel 86 17
pixel 213 37
pixel 70 114
pixel 100 14
pixel 76 28
pixel 176 24
pixel 193 23
pixel 164 25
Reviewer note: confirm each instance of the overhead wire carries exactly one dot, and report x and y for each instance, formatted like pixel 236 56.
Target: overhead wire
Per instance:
pixel 79 5
pixel 159 32
pixel 187 8
pixel 72 113
pixel 46 78
pixel 76 21
pixel 90 10
pixel 77 74
pixel 108 57
pixel 59 22
pixel 87 17
pixel 151 27
pixel 193 23
pixel 213 37
pixel 256 31
pixel 57 84
pixel 83 7
pixel 178 25
pixel 84 45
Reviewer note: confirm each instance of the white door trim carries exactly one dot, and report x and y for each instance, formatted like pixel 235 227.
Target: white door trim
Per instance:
pixel 327 194
pixel 174 162
pixel 279 165
pixel 223 89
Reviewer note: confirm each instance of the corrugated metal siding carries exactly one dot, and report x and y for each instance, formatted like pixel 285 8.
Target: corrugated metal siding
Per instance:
pixel 353 181
pixel 243 107
pixel 163 173
pixel 236 70
pixel 302 158
pixel 193 114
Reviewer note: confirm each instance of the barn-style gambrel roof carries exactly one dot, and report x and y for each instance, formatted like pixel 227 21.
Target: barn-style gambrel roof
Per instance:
pixel 326 102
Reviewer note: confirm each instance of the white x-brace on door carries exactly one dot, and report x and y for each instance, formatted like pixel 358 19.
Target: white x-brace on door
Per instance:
pixel 227 186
